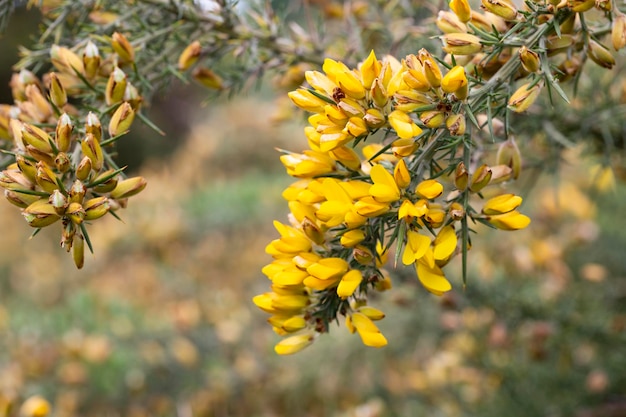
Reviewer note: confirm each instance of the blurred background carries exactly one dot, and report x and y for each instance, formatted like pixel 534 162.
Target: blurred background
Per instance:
pixel 160 320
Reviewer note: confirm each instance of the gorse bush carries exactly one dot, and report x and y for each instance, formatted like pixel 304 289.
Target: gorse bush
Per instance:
pixel 407 152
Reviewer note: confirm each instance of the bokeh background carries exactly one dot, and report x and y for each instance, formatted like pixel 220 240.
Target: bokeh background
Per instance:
pixel 160 321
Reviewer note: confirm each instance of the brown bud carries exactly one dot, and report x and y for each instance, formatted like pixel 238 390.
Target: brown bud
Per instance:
pixel 62 162
pixel 116 86
pixel 363 255
pixel 461 43
pixel 83 169
pixel 312 231
pixel 208 78
pixel 503 8
pixel 461 177
pixel 600 55
pixel 27 167
pixel 36 137
pixel 456 210
pixel 618 31
pixel 189 56
pixel 530 59
pixel 510 155
pixel 20 199
pixel 480 178
pixel 58 96
pixel 121 119
pixel 106 186
pixel 433 118
pixel 122 48
pixel 92 150
pixel 456 124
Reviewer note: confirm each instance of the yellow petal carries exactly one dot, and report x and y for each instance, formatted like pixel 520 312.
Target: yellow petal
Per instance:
pixel 349 283
pixel 429 189
pixel 512 220
pixel 445 243
pixel 293 344
pixel 328 268
pixel 433 279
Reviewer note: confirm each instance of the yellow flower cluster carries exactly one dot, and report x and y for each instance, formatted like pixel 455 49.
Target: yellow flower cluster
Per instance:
pixel 62 170
pixel 351 204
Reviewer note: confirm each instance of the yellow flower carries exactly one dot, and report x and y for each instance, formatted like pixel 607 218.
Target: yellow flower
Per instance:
pixel 444 244
pixel 461 43
pixel 307 101
pixel 351 238
pixel 369 207
pixel 502 204
pixel 403 125
pixel 461 9
pixel 370 334
pixel 370 68
pixel 513 220
pixel 429 189
pixel 293 344
pixel 455 81
pixel 416 246
pixel 349 283
pixel 432 278
pixel 308 164
pixel 385 189
pixel 328 268
pixel 35 406
pixel 409 210
pixel 401 174
pixel 524 97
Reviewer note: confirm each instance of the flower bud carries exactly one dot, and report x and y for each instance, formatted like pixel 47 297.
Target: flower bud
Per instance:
pixel 91 149
pixel 293 344
pixel 131 95
pixel 121 119
pixel 83 169
pixel 618 31
pixel 502 204
pixel 379 93
pixel 27 167
pixel 480 178
pixel 75 212
pixel 36 137
pixel 122 48
pixel 96 208
pixel 65 60
pixel 356 127
pixel 461 9
pixel 78 251
pixel 431 68
pixel 58 201
pixel 62 162
pixel 363 255
pixel 115 88
pixel 456 124
pixel 461 177
pixel 105 182
pixel 129 187
pixel 600 55
pixel 20 200
pixel 58 96
pixel 91 60
pixel 530 59
pixel 208 78
pixel 503 8
pixel 63 136
pixel 510 155
pixel 189 56
pixel 455 82
pixel 404 147
pixel 401 174
pixel 461 43
pixel 433 118
pixel 374 118
pixel 403 125
pixel 579 6
pixel 40 214
pixel 456 211
pixel 77 192
pixel 450 23
pixel 35 406
pixel 46 178
pixel 524 97
pixel 312 231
